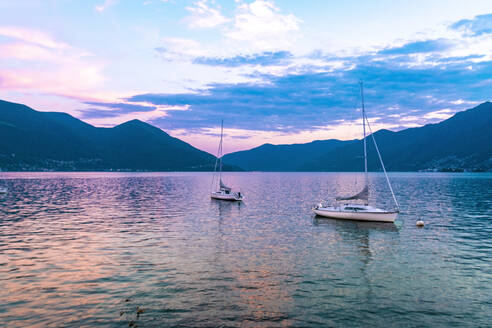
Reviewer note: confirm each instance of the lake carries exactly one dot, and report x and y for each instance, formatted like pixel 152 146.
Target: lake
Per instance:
pixel 87 249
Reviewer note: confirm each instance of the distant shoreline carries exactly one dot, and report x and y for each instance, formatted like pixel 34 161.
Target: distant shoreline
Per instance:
pixel 139 171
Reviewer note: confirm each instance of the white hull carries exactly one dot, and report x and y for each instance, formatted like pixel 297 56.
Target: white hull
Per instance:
pixel 224 196
pixel 379 216
pixel 3 190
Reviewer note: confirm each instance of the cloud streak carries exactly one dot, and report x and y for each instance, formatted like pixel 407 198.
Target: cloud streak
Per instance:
pixel 477 26
pixel 114 109
pixel 263 59
pixel 419 47
pixel 31 36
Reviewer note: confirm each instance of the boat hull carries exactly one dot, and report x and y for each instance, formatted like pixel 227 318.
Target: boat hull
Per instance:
pixel 357 216
pixel 228 197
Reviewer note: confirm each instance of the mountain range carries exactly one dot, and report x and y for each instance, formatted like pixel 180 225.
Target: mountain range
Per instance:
pixel 31 140
pixel 463 142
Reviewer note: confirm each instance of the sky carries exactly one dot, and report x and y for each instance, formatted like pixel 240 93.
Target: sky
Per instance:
pixel 276 71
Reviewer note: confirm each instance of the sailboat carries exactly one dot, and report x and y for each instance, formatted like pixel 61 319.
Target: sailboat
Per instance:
pixel 224 192
pixel 356 207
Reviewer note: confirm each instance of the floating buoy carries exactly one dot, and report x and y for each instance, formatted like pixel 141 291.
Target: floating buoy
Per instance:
pixel 420 223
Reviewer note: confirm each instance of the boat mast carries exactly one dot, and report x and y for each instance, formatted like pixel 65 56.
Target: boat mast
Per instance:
pixel 220 150
pixel 382 164
pixel 218 159
pixel 364 129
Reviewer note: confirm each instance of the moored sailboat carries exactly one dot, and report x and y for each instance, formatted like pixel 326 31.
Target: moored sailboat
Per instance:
pixel 357 207
pixel 224 192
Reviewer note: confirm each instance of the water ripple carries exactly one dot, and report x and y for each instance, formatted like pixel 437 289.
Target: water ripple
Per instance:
pixel 110 249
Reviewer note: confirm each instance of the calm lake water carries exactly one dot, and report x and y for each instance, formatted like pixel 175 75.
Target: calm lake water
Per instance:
pixel 85 249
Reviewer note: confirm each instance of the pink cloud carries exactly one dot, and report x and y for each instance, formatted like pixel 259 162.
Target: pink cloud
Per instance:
pixel 36 62
pixel 75 81
pixel 31 36
pixel 25 51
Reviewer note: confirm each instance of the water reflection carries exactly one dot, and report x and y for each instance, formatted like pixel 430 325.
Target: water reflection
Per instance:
pixel 225 208
pixel 366 239
pixel 75 246
pixel 355 226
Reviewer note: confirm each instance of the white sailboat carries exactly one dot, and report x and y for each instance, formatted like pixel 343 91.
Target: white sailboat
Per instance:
pixel 357 207
pixel 224 192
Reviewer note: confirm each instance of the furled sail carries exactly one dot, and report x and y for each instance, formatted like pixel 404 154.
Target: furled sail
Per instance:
pixel 362 195
pixel 223 186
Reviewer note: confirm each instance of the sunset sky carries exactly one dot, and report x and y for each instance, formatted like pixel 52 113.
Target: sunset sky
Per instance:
pixel 275 71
